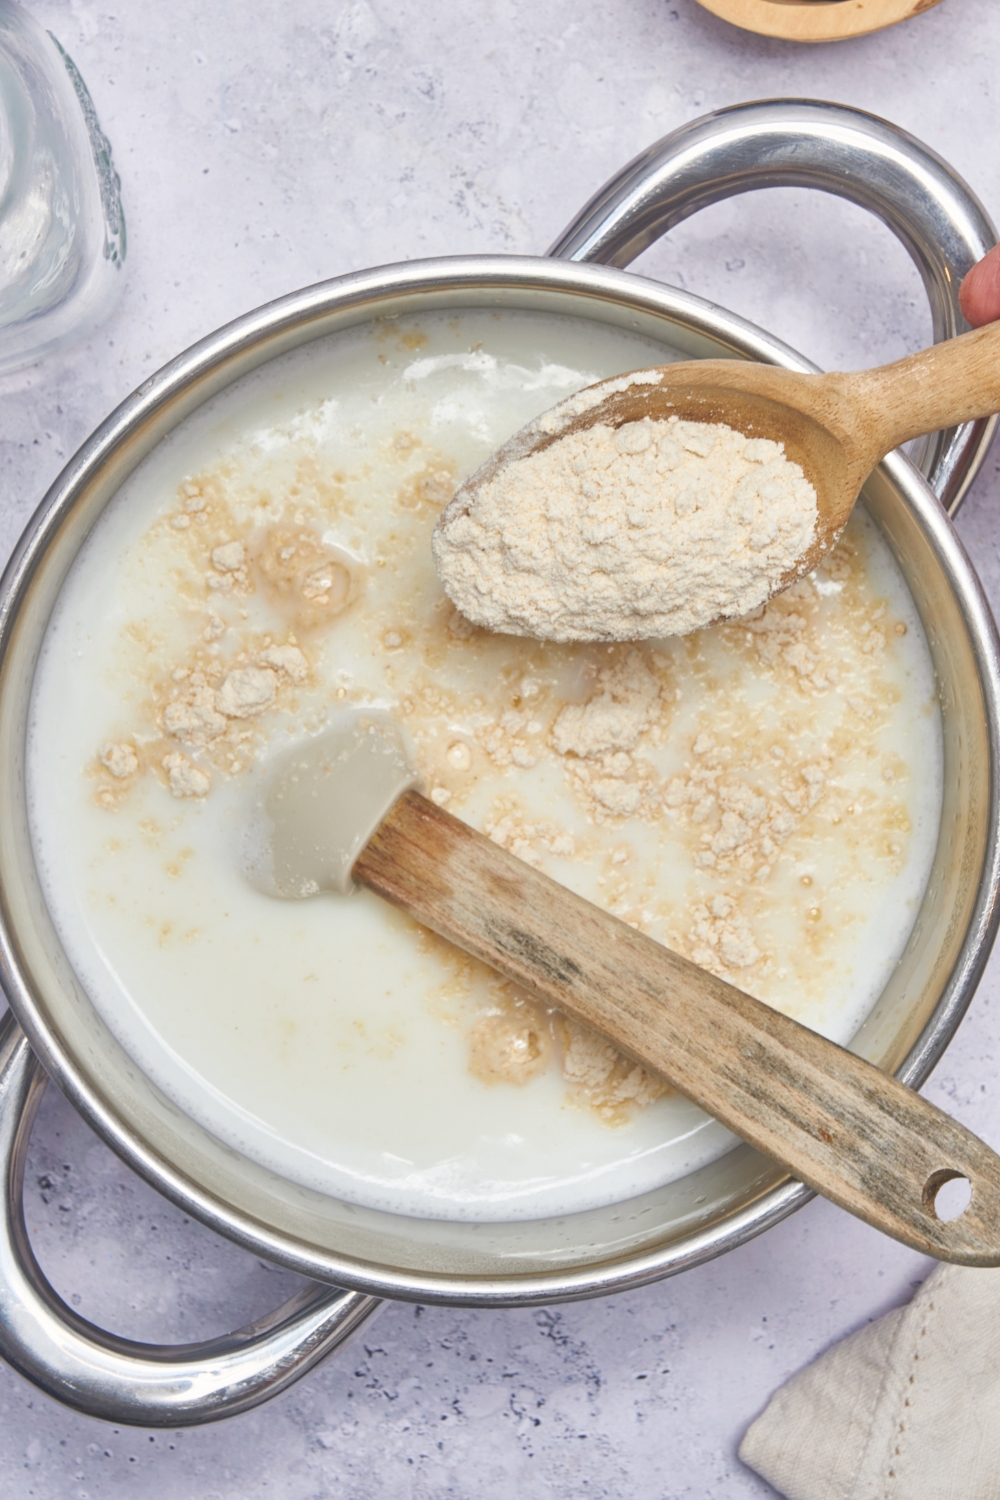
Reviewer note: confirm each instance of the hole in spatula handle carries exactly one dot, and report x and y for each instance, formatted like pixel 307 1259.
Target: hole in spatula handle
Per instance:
pixel 947 1194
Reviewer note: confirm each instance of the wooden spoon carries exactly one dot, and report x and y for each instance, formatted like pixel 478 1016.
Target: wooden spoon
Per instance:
pixel 344 805
pixel 836 426
pixel 807 21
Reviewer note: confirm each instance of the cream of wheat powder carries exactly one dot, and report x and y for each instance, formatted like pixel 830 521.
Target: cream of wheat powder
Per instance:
pixel 654 528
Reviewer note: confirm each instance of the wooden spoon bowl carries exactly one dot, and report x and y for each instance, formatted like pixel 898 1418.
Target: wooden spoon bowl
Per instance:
pixel 837 427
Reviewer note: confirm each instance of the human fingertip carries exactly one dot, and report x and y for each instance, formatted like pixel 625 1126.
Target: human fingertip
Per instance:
pixel 979 294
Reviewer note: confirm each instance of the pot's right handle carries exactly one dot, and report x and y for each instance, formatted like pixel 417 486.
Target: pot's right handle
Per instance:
pixel 116 1379
pixel 808 143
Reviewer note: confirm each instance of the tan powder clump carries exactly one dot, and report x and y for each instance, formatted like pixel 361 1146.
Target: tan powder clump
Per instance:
pixel 246 692
pixel 303 575
pixel 512 1044
pixel 288 659
pixel 184 778
pixel 597 739
pixel 531 839
pixel 600 1076
pixel 516 1040
pixel 615 716
pixel 120 759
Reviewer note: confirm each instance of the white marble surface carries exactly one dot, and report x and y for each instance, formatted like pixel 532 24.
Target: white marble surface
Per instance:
pixel 263 146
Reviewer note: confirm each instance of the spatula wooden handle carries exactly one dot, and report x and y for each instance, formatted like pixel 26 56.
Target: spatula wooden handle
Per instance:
pixel 848 1130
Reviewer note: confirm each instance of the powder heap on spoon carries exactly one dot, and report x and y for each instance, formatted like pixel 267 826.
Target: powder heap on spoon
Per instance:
pixel 652 528
pixel 657 502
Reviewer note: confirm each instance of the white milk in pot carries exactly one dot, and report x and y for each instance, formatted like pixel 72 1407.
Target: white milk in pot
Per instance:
pixel 763 796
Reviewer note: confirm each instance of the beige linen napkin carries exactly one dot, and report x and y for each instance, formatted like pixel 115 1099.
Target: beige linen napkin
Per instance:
pixel 906 1409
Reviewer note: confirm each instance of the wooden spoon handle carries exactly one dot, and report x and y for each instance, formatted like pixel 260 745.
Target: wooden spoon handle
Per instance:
pixel 848 1130
pixel 952 382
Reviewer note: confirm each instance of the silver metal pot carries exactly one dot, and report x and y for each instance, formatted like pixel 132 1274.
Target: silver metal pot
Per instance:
pixel 377 1254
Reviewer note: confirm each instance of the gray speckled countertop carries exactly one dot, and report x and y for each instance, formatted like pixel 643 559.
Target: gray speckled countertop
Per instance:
pixel 263 146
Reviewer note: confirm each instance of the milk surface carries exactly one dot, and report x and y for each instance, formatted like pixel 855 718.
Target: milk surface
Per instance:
pixel 766 798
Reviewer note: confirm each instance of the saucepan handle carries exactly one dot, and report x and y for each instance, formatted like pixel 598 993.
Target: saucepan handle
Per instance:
pixel 121 1381
pixel 808 143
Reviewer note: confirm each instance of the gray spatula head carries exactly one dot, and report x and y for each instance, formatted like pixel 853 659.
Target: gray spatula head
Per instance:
pixel 319 804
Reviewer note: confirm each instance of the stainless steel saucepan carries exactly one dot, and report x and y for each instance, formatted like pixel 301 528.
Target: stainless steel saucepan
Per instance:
pixel 374 1255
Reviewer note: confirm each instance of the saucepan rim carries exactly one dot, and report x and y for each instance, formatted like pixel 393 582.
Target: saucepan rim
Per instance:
pixel 155 408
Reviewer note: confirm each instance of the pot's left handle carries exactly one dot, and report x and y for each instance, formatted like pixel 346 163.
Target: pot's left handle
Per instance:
pixel 116 1379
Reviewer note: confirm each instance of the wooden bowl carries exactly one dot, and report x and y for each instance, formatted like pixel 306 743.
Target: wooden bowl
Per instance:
pixel 816 20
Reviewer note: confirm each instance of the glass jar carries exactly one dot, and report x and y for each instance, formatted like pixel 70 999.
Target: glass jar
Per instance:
pixel 62 230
